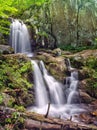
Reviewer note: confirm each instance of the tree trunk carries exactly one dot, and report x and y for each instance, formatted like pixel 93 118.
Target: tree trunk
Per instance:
pixel 77 28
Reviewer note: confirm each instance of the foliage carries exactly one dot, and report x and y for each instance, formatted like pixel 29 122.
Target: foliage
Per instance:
pixel 92 63
pixel 91 66
pixel 12 7
pixel 4 30
pixel 12 76
pixel 87 66
pixel 19 108
pixel 6 8
pixel 75 48
pixel 4 23
pixel 14 121
pixel 1 98
pixel 14 80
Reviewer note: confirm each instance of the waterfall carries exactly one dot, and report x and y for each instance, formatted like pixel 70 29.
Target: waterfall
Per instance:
pixel 73 95
pixel 40 87
pixel 72 84
pixel 54 87
pixel 49 90
pixel 19 37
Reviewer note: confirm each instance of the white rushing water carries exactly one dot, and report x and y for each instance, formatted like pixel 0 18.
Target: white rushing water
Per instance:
pixel 19 37
pixel 73 95
pixel 40 87
pixel 54 87
pixel 49 90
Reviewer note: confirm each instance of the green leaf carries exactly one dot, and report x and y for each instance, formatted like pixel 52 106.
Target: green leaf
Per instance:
pixel 1 98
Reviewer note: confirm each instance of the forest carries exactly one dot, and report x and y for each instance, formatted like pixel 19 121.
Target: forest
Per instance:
pixel 48 64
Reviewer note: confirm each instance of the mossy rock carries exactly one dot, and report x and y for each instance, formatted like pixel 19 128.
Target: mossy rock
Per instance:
pixel 57 52
pixel 85 98
pixel 55 65
pixel 7 100
pixel 77 61
pixel 92 87
pixel 15 70
pixel 57 71
pixel 4 49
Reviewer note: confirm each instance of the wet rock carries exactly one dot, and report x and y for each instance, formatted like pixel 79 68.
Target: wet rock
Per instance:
pixel 57 52
pixel 77 61
pixel 54 65
pixel 83 85
pixel 4 49
pixel 94 103
pixel 1 128
pixel 84 117
pixel 94 113
pixel 95 123
pixel 85 98
pixel 83 74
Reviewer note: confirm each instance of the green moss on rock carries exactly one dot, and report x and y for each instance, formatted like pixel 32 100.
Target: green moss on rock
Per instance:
pixel 14 78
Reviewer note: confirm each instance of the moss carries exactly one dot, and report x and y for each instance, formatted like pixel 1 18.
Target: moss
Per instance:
pixel 19 108
pixel 77 62
pixel 41 57
pixel 4 25
pixel 1 99
pixel 89 72
pixel 91 62
pixel 56 71
pixel 4 30
pixel 12 73
pixel 14 78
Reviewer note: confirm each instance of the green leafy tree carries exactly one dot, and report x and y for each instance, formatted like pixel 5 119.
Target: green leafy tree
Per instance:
pixel 6 8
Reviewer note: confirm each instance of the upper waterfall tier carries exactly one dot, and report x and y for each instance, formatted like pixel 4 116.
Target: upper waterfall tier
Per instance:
pixel 19 37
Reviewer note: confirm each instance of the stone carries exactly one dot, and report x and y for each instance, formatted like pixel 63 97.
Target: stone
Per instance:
pixel 5 49
pixel 54 65
pixel 57 52
pixel 85 98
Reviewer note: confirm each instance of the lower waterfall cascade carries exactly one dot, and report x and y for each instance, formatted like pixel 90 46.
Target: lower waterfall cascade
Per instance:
pixel 49 91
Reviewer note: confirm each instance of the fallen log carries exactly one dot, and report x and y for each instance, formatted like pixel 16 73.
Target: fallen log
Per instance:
pixel 33 121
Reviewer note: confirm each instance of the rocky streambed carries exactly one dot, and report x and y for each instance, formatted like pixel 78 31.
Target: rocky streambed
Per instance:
pixel 17 89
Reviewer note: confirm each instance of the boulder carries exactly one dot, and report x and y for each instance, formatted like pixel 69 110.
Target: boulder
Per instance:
pixel 57 52
pixel 5 49
pixel 85 98
pixel 54 65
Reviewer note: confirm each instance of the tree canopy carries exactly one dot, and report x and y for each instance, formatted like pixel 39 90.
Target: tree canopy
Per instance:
pixel 12 7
